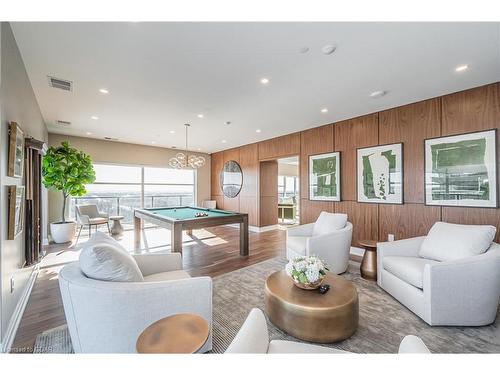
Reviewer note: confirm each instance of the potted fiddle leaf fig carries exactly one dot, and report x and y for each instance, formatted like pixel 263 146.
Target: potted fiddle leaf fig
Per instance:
pixel 67 170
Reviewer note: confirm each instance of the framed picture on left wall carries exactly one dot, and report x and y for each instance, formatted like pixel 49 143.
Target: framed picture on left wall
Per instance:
pixel 16 151
pixel 16 211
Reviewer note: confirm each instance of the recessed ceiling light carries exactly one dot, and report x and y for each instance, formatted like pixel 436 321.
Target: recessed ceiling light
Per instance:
pixel 264 81
pixel 324 110
pixel 461 68
pixel 258 131
pixel 378 94
pixel 228 123
pixel 88 133
pixel 199 149
pixel 224 141
pixel 172 131
pixel 153 142
pixel 304 49
pixel 328 49
pixel 94 118
pixel 200 115
pixel 103 91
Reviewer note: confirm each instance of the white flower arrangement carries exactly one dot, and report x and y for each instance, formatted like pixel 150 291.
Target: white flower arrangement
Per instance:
pixel 306 270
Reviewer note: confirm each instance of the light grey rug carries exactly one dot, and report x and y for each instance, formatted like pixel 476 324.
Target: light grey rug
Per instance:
pixel 383 321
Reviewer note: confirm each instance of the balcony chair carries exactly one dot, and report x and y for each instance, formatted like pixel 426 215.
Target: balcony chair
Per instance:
pixel 253 338
pixel 110 296
pixel 90 215
pixel 329 238
pixel 451 277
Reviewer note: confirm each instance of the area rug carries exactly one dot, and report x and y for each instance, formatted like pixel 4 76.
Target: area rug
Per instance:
pixel 383 321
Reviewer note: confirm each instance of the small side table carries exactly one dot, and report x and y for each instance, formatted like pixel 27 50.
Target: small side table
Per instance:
pixel 369 264
pixel 175 334
pixel 116 228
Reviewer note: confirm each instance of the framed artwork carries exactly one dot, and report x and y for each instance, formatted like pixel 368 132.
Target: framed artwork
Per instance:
pixel 380 174
pixel 16 211
pixel 324 177
pixel 16 151
pixel 461 170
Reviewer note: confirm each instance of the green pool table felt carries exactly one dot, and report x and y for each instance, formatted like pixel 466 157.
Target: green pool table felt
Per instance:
pixel 184 213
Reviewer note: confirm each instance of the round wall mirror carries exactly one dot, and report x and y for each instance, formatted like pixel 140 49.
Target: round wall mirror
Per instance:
pixel 231 179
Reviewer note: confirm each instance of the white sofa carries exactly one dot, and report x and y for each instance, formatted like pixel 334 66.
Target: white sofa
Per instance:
pixel 329 238
pixel 253 338
pixel 108 316
pixel 458 292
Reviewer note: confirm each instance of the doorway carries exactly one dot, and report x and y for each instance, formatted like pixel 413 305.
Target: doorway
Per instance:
pixel 288 191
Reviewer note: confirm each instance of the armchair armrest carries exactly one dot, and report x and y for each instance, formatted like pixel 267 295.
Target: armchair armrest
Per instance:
pixel 301 230
pixel 408 247
pixel 253 337
pixel 155 263
pixel 84 219
pixel 413 345
pixel 465 291
pixel 104 215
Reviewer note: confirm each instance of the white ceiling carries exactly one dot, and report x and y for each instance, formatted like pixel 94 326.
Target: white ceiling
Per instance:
pixel 161 75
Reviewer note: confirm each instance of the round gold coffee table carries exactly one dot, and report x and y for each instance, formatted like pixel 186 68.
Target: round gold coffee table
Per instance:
pixel 179 333
pixel 309 315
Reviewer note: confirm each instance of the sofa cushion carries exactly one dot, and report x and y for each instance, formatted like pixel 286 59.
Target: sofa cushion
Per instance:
pixel 447 241
pixel 297 244
pixel 328 222
pixel 408 269
pixel 166 276
pixel 103 260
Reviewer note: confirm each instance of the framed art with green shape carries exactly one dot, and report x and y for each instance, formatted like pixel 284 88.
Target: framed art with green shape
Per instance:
pixel 380 174
pixel 324 177
pixel 461 170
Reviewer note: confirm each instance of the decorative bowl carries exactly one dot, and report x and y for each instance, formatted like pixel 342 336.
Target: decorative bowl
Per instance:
pixel 309 286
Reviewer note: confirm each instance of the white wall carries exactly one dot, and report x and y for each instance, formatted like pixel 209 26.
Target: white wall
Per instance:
pixel 17 103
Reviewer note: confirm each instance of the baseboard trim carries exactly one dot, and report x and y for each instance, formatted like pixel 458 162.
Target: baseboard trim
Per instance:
pixel 18 313
pixel 266 228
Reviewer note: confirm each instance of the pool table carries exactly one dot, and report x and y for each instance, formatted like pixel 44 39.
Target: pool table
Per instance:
pixel 178 219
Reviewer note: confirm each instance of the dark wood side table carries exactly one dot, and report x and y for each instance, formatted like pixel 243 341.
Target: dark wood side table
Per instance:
pixel 369 263
pixel 176 334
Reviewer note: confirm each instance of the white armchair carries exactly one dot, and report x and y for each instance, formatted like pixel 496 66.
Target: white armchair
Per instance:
pixel 89 215
pixel 329 238
pixel 253 338
pixel 108 317
pixel 463 292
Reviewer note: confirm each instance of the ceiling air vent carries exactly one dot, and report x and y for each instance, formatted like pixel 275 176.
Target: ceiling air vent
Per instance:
pixel 63 123
pixel 61 84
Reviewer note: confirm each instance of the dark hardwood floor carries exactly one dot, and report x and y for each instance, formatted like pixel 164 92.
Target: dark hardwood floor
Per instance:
pixel 210 252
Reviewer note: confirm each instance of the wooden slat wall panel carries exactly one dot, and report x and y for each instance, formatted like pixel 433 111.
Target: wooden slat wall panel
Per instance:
pixel 268 211
pixel 268 181
pixel 248 205
pixel 407 220
pixel 313 141
pixel 249 162
pixel 350 135
pixel 310 210
pixel 219 201
pixel 232 204
pixel 287 145
pixel 473 110
pixel 364 218
pixel 411 124
pixel 217 160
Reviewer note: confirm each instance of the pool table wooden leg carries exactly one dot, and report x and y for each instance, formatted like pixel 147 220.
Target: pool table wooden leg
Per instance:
pixel 176 238
pixel 137 233
pixel 189 232
pixel 244 237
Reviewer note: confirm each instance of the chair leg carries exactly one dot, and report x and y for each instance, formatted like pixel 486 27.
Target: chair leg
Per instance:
pixel 90 229
pixel 109 230
pixel 79 232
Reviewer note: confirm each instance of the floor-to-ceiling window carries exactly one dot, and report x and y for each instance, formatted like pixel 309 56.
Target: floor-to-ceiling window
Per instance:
pixel 119 189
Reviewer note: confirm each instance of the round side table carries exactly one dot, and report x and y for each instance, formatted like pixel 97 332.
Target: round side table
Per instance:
pixel 369 264
pixel 176 334
pixel 116 228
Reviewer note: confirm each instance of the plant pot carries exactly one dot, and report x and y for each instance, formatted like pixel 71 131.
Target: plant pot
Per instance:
pixel 62 232
pixel 309 286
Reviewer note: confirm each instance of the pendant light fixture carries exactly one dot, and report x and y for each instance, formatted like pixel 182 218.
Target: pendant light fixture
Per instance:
pixel 184 159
